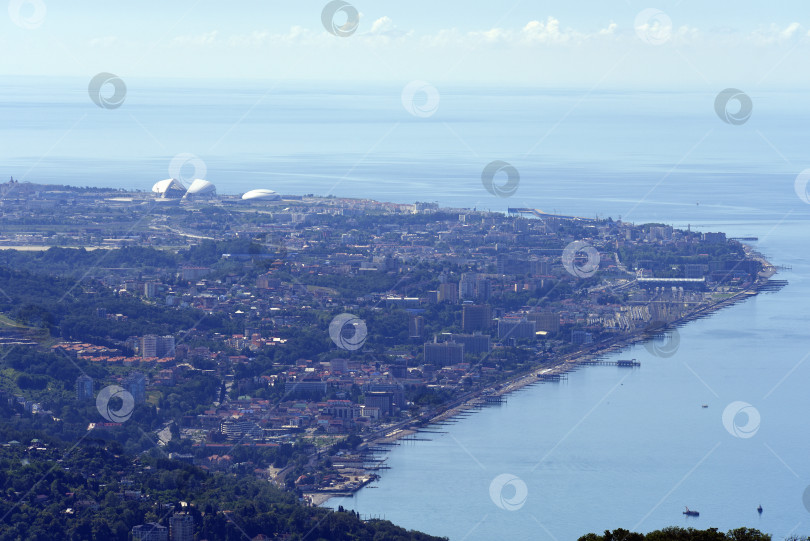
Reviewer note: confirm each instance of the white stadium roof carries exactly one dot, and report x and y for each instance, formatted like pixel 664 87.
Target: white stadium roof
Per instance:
pixel 169 188
pixel 201 187
pixel 261 194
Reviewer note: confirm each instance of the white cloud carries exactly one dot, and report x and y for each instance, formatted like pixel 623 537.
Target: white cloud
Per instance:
pixel 548 32
pixel 493 35
pixel 384 27
pixel 788 32
pixel 773 34
pixel 536 33
pixel 609 31
pixel 686 35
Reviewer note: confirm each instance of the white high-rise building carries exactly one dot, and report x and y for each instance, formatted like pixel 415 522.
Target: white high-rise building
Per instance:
pixel 149 346
pixel 157 346
pixel 181 527
pixel 466 287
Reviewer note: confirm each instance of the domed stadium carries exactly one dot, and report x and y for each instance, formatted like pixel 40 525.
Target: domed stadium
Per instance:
pixel 261 194
pixel 201 189
pixel 170 188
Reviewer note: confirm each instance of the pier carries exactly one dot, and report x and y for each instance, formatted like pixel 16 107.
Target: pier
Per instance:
pixel 773 285
pixel 552 377
pixel 624 363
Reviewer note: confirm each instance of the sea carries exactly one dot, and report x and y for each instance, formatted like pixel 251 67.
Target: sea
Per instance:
pixel 716 419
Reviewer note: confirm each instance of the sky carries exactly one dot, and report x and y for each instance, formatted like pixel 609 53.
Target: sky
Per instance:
pixel 611 43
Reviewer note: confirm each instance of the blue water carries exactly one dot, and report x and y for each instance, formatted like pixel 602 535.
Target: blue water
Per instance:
pixel 608 448
pixel 577 151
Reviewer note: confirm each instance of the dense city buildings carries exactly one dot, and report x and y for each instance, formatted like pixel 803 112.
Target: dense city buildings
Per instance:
pixel 257 336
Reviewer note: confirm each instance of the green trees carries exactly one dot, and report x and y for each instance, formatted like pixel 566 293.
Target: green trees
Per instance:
pixel 63 307
pixel 74 262
pixel 91 479
pixel 679 534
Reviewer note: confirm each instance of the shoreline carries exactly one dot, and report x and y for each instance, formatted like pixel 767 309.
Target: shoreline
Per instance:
pixel 572 361
pixel 568 363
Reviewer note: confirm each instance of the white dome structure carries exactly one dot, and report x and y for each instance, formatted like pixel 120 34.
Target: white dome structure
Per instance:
pixel 170 188
pixel 201 187
pixel 261 194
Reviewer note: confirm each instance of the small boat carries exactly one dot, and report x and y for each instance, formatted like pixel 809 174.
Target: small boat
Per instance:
pixel 691 513
pixel 759 509
pixel 705 406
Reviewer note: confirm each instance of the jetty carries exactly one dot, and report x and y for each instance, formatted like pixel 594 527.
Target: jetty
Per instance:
pixel 623 363
pixel 552 377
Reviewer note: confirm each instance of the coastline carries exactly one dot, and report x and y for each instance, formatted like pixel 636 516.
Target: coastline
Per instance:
pixel 567 363
pixel 576 359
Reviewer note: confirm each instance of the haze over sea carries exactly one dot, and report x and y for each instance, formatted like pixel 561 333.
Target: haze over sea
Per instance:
pixel 608 448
